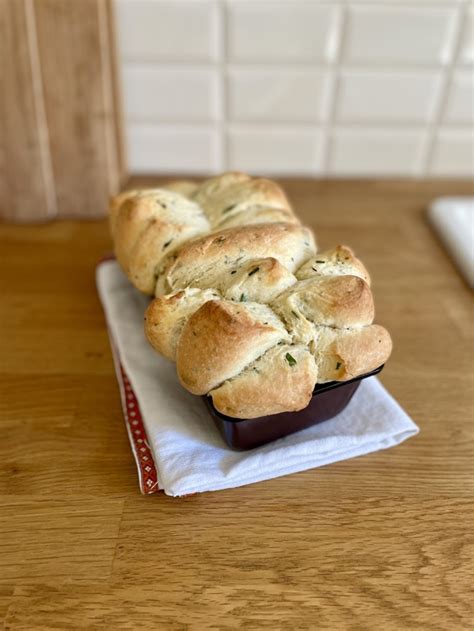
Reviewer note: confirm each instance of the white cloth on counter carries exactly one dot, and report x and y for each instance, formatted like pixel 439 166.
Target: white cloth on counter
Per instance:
pixel 189 453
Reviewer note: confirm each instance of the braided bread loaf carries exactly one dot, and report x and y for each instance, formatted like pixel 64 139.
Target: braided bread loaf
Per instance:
pixel 243 304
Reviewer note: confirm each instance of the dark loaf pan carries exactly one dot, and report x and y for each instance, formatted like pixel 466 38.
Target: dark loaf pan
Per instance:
pixel 327 401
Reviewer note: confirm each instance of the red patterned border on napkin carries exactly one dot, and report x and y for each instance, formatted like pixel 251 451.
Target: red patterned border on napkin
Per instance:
pixel 146 467
pixel 147 472
pixel 138 438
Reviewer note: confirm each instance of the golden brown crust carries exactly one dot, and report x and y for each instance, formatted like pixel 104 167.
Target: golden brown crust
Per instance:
pixel 166 317
pixel 130 221
pixel 183 187
pixel 258 280
pixel 220 339
pixel 226 196
pixel 203 260
pixel 338 261
pixel 147 226
pixel 343 354
pixel 151 247
pixel 115 204
pixel 259 254
pixel 336 301
pixel 282 380
pixel 214 186
pixel 145 233
pixel 258 214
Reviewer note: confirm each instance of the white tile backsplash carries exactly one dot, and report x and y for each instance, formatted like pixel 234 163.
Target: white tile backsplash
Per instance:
pixel 275 150
pixel 173 30
pixel 467 44
pixel 405 97
pixel 280 31
pixel 366 151
pixel 316 87
pixel 172 149
pixel 157 94
pixel 460 101
pixel 277 95
pixel 399 34
pixel 453 153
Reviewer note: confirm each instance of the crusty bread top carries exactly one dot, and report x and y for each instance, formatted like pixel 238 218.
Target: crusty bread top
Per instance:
pixel 258 280
pixel 226 249
pixel 214 186
pixel 241 196
pixel 183 187
pixel 221 338
pixel 343 354
pixel 148 226
pixel 338 261
pixel 258 214
pixel 166 317
pixel 230 194
pixel 335 301
pixel 202 261
pixel 116 203
pixel 281 380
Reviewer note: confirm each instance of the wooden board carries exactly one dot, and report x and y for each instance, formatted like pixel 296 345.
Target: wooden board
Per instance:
pixel 26 180
pixel 62 139
pixel 378 542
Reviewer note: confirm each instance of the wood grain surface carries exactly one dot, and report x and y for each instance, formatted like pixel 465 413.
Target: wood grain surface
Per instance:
pixel 60 128
pixel 26 179
pixel 379 542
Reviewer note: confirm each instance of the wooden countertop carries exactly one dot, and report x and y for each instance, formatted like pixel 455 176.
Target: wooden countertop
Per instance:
pixel 378 542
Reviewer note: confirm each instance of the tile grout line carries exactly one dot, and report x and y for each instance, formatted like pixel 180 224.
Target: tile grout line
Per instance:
pixel 305 65
pixel 288 125
pixel 221 123
pixel 332 93
pixel 434 123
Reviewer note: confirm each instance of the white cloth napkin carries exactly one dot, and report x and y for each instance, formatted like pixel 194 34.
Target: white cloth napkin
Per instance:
pixel 453 220
pixel 189 453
